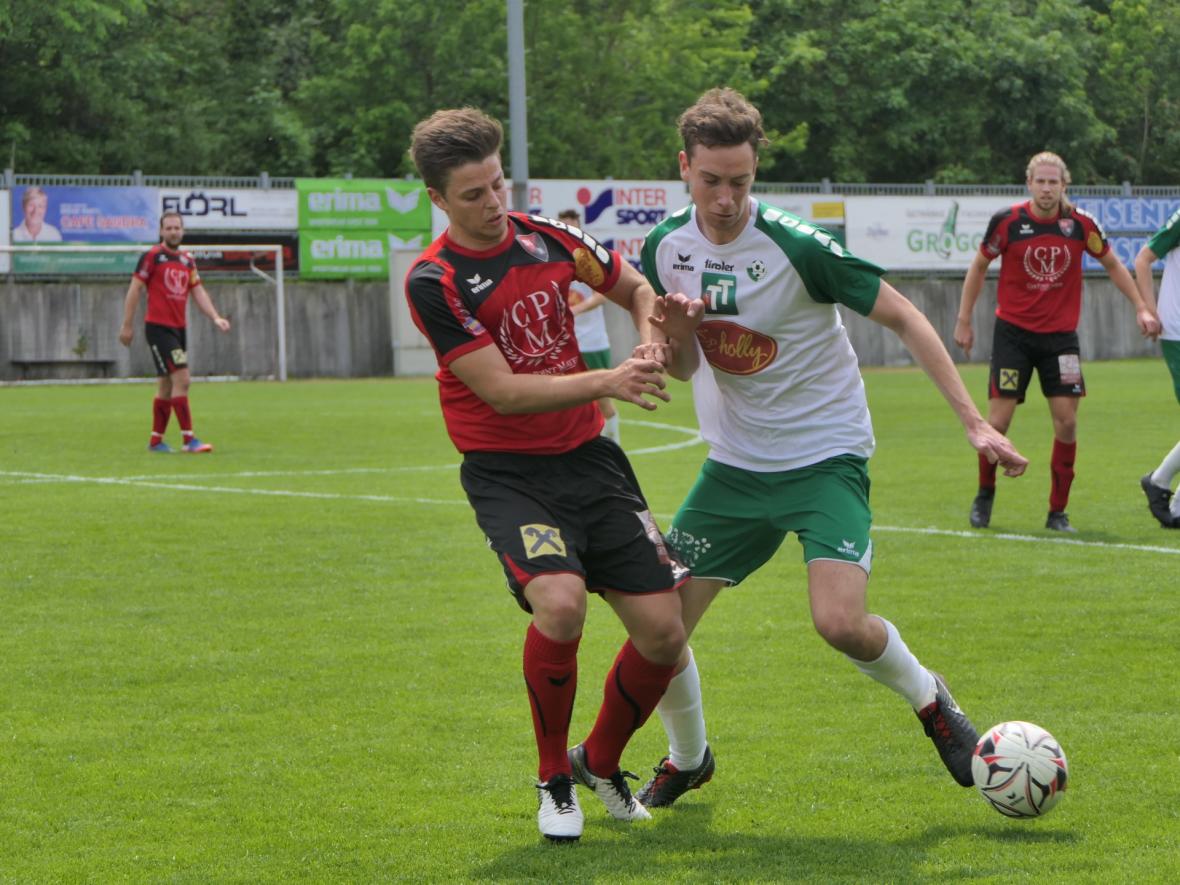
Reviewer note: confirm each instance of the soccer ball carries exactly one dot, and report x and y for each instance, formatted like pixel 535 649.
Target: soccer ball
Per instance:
pixel 1020 769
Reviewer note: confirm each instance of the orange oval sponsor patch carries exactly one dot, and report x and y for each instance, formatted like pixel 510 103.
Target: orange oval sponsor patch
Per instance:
pixel 735 349
pixel 588 269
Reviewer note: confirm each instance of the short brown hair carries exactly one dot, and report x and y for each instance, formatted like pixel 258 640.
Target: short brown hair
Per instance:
pixel 171 212
pixel 721 118
pixel 569 213
pixel 448 139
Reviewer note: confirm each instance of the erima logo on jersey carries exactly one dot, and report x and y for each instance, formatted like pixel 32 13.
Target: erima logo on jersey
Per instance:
pixel 683 262
pixel 848 548
pixel 478 284
pixel 1026 228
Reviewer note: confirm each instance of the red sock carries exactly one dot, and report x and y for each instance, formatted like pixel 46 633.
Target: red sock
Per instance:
pixel 987 473
pixel 184 417
pixel 161 411
pixel 551 677
pixel 634 686
pixel 1061 466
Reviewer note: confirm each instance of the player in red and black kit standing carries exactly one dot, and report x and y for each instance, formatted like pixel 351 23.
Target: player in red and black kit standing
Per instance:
pixel 1039 301
pixel 559 503
pixel 169 275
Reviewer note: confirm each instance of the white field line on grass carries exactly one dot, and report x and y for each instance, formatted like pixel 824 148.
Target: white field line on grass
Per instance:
pixel 31 477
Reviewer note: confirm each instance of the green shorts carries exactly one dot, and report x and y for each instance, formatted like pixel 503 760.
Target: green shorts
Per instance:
pixel 1171 351
pixel 596 359
pixel 734 520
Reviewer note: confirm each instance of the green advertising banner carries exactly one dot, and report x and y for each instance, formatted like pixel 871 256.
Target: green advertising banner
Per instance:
pixel 352 254
pixel 373 204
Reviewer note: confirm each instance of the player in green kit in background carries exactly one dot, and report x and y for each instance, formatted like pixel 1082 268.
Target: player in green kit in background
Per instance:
pixel 1157 485
pixel 782 407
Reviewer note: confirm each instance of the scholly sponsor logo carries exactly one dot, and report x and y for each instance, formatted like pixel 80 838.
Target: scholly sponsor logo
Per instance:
pixel 735 349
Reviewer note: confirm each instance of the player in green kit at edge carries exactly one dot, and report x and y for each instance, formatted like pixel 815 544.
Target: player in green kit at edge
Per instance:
pixel 782 406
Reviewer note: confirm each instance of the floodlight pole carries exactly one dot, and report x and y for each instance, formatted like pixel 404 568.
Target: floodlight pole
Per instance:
pixel 518 126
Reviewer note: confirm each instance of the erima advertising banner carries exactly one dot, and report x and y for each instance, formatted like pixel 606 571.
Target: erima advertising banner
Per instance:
pixel 919 233
pixel 233 208
pixel 373 204
pixel 54 215
pixel 343 254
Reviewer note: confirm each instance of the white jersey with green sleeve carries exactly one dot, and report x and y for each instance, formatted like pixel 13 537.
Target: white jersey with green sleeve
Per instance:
pixel 779 385
pixel 1163 244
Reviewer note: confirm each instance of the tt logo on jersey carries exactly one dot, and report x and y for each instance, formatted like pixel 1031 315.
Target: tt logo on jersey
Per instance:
pixel 719 292
pixel 542 540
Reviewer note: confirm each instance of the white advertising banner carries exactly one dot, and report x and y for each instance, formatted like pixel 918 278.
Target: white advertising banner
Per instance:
pixel 826 210
pixel 233 208
pixel 919 233
pixel 5 229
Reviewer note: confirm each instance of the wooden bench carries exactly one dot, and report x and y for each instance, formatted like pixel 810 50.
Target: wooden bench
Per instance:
pixel 42 368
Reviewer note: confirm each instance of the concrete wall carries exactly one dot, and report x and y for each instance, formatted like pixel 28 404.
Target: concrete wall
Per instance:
pixel 343 329
pixel 333 330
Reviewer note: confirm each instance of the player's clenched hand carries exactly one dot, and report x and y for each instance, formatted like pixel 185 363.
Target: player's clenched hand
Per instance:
pixel 964 336
pixel 998 449
pixel 1149 324
pixel 677 315
pixel 634 379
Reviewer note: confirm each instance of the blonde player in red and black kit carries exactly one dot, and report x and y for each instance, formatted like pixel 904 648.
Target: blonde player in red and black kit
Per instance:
pixel 559 503
pixel 1039 301
pixel 169 275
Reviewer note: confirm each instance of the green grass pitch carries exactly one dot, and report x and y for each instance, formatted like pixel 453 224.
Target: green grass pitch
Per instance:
pixel 294 659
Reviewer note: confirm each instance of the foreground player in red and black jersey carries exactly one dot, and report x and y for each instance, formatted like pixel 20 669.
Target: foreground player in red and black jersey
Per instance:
pixel 557 501
pixel 1039 301
pixel 170 276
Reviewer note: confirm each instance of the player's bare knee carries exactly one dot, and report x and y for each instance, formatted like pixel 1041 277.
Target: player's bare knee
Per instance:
pixel 661 642
pixel 843 631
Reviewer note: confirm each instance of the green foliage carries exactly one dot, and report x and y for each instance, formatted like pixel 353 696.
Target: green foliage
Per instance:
pixel 295 660
pixel 852 90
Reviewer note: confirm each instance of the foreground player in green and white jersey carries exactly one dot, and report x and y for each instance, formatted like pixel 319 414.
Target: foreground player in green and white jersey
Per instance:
pixel 1157 485
pixel 782 407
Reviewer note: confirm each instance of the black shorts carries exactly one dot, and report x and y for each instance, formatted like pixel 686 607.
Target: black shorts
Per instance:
pixel 580 513
pixel 169 348
pixel 1016 352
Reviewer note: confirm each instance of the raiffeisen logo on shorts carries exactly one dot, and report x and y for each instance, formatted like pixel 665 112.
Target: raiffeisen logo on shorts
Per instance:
pixel 638 205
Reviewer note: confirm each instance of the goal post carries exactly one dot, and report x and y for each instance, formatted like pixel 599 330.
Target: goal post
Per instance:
pixel 82 249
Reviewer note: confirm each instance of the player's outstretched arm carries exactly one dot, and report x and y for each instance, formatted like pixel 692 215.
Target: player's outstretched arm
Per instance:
pixel 972 286
pixel 897 313
pixel 489 376
pixel 205 303
pixel 1144 281
pixel 1145 315
pixel 130 305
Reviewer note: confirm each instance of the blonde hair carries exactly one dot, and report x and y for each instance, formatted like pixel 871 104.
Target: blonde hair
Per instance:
pixel 1048 158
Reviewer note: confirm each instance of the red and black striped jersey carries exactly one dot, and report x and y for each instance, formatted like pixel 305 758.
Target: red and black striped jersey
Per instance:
pixel 170 275
pixel 515 297
pixel 1040 286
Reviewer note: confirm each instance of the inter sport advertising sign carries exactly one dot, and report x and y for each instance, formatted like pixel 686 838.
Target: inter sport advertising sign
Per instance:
pixel 233 208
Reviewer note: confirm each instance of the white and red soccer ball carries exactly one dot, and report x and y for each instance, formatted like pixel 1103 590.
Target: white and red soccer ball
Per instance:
pixel 1020 769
